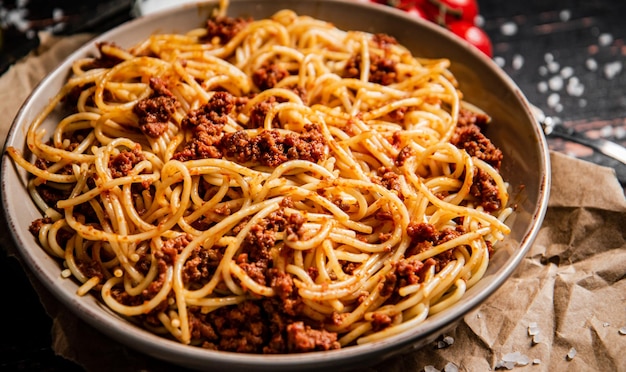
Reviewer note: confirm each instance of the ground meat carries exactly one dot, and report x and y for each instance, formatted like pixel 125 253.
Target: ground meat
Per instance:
pixel 259 112
pixel 268 75
pixel 388 178
pixel 271 149
pixel 224 28
pixel 154 112
pixel 471 139
pixel 484 189
pixel 37 224
pixel 201 265
pixel 468 117
pixel 420 232
pixel 380 321
pixel 384 41
pixel 403 155
pixel 119 294
pixel 424 236
pixel 124 162
pixel 303 338
pixel 382 69
pixel 90 268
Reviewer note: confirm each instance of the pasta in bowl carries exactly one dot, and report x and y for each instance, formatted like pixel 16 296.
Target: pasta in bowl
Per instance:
pixel 271 184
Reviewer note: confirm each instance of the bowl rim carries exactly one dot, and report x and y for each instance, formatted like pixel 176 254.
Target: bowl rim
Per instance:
pixel 195 357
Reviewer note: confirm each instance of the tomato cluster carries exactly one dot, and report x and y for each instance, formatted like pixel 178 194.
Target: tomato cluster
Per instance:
pixel 458 16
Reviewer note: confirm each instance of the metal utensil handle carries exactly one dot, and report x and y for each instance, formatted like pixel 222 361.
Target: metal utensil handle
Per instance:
pixel 601 145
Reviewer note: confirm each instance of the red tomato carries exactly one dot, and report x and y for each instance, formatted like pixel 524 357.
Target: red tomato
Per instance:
pixel 472 34
pixel 413 9
pixel 445 12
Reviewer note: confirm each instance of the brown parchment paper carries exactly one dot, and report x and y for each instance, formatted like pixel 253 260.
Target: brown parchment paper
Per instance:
pixel 562 309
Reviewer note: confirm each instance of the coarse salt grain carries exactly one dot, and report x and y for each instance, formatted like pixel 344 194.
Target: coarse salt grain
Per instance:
pixel 542 87
pixel 479 21
pixel 543 70
pixel 508 29
pixel 565 15
pixel 518 62
pixel 591 64
pixel 536 361
pixel 605 39
pixel 533 329
pixel 555 83
pixel 57 14
pixel 430 368
pixel 606 131
pixel 554 67
pixel 499 61
pixel 574 87
pixel 620 133
pixel 612 69
pixel 553 99
pixel 537 339
pixel 571 354
pixel 622 331
pixel 548 57
pixel 566 72
pixel 451 367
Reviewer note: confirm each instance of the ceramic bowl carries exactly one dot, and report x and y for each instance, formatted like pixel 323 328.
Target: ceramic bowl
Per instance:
pixel 526 167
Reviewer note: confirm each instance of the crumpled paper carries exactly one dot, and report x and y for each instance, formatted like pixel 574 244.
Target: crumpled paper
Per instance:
pixel 564 308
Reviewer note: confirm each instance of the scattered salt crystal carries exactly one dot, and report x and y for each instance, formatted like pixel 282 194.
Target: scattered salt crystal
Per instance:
pixel 499 61
pixel 605 39
pixel 533 329
pixel 553 99
pixel 536 361
pixel 57 14
pixel 542 87
pixel 575 87
pixel 518 61
pixel 523 360
pixel 430 368
pixel 450 367
pixel 622 331
pixel 565 15
pixel 606 324
pixel 567 72
pixel 448 340
pixel 508 29
pixel 537 339
pixel 582 103
pixel 548 57
pixel 543 70
pixel 479 21
pixel 554 67
pixel 556 83
pixel 571 354
pixel 591 64
pixel 441 344
pixel 606 131
pixel 612 69
pixel 558 107
pixel 620 133
pixel 502 364
pixel 512 357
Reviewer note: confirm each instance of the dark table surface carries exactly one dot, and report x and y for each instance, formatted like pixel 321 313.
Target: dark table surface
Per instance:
pixel 567 57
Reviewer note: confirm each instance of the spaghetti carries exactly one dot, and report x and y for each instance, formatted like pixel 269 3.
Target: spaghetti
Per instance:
pixel 267 186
